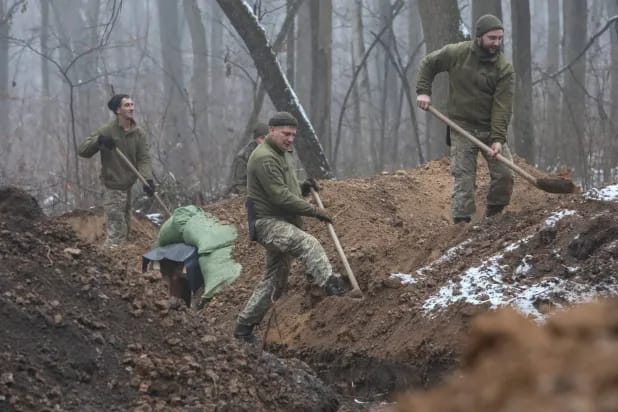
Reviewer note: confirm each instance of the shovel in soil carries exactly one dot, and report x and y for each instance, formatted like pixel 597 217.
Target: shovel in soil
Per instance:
pixel 355 293
pixel 142 179
pixel 550 185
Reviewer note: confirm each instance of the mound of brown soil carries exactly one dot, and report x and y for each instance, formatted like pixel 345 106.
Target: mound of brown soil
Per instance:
pixel 15 202
pixel 513 364
pixel 82 330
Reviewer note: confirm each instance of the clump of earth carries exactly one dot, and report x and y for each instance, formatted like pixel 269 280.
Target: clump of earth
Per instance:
pixel 85 329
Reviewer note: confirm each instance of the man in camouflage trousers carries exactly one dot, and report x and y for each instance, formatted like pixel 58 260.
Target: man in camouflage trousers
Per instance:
pixel 481 83
pixel 238 180
pixel 275 207
pixel 123 133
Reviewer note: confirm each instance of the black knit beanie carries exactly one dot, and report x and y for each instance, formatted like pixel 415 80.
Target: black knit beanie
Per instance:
pixel 487 23
pixel 114 102
pixel 283 119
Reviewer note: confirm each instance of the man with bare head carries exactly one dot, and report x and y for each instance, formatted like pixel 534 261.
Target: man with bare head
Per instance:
pixel 123 133
pixel 481 83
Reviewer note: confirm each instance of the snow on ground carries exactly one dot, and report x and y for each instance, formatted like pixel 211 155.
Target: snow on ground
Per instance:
pixel 488 282
pixel 405 278
pixel 607 193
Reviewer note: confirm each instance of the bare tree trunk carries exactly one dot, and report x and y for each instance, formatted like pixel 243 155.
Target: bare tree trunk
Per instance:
pixel 415 42
pixel 281 94
pixel 522 63
pixel 367 127
pixel 612 148
pixel 481 7
pixel 175 125
pixel 45 109
pixel 321 68
pixel 575 14
pixel 5 101
pixel 291 45
pixel 304 48
pixel 436 36
pixel 199 84
pixel 548 146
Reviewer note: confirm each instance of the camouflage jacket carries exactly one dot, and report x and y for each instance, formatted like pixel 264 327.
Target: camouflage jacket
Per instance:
pixel 115 174
pixel 238 178
pixel 480 89
pixel 273 186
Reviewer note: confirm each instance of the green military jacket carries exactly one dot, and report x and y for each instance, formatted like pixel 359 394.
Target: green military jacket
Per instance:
pixel 238 179
pixel 115 174
pixel 273 186
pixel 480 88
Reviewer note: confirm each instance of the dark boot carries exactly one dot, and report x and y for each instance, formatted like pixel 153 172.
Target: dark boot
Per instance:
pixel 493 210
pixel 466 219
pixel 244 333
pixel 334 286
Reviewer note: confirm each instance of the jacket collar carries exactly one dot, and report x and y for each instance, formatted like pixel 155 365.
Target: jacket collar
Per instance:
pixel 482 54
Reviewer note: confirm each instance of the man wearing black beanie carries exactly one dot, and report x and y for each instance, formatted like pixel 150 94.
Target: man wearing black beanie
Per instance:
pixel 481 84
pixel 275 206
pixel 123 133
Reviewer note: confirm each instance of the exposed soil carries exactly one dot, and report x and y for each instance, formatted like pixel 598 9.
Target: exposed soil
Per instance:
pixel 424 281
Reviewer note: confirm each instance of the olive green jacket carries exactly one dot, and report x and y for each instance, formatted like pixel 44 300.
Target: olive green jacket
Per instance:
pixel 238 179
pixel 115 174
pixel 480 88
pixel 273 186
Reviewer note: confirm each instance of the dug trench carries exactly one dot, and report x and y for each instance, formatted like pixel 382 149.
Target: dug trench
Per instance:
pixel 424 282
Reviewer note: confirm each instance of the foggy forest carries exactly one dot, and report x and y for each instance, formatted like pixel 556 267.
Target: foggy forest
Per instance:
pixel 202 72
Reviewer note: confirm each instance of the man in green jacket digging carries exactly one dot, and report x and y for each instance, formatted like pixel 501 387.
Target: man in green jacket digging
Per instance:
pixel 123 133
pixel 481 83
pixel 275 206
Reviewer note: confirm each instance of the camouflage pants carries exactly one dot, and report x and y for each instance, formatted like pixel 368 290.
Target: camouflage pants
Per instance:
pixel 117 207
pixel 463 168
pixel 283 242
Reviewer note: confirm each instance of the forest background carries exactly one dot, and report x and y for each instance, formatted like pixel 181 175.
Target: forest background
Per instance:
pixel 351 63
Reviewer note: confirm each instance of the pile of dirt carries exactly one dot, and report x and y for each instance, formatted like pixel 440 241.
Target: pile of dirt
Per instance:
pixel 424 281
pixel 513 364
pixel 18 207
pixel 83 330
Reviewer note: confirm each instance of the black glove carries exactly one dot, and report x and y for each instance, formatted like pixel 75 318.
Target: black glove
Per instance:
pixel 149 189
pixel 322 215
pixel 307 185
pixel 106 142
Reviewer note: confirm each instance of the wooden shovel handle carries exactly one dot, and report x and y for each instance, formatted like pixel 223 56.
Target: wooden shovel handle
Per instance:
pixel 333 235
pixel 142 179
pixel 482 145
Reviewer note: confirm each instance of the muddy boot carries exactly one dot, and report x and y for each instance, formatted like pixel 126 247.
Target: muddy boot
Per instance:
pixel 493 210
pixel 202 303
pixel 245 333
pixel 334 286
pixel 458 220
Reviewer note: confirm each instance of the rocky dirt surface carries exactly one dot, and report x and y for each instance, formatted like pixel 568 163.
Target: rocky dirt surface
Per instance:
pixel 424 281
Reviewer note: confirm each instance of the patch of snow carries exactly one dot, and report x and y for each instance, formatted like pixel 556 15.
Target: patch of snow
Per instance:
pixel 557 216
pixel 484 284
pixel 404 277
pixel 156 218
pixel 607 193
pixel 525 266
pixel 448 256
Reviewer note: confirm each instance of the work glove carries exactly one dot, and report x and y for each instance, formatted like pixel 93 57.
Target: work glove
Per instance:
pixel 322 215
pixel 307 185
pixel 106 142
pixel 149 189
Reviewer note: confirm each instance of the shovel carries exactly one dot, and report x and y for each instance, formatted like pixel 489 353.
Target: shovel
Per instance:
pixel 355 292
pixel 550 185
pixel 142 179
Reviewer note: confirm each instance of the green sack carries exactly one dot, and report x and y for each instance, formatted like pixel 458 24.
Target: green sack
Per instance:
pixel 213 240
